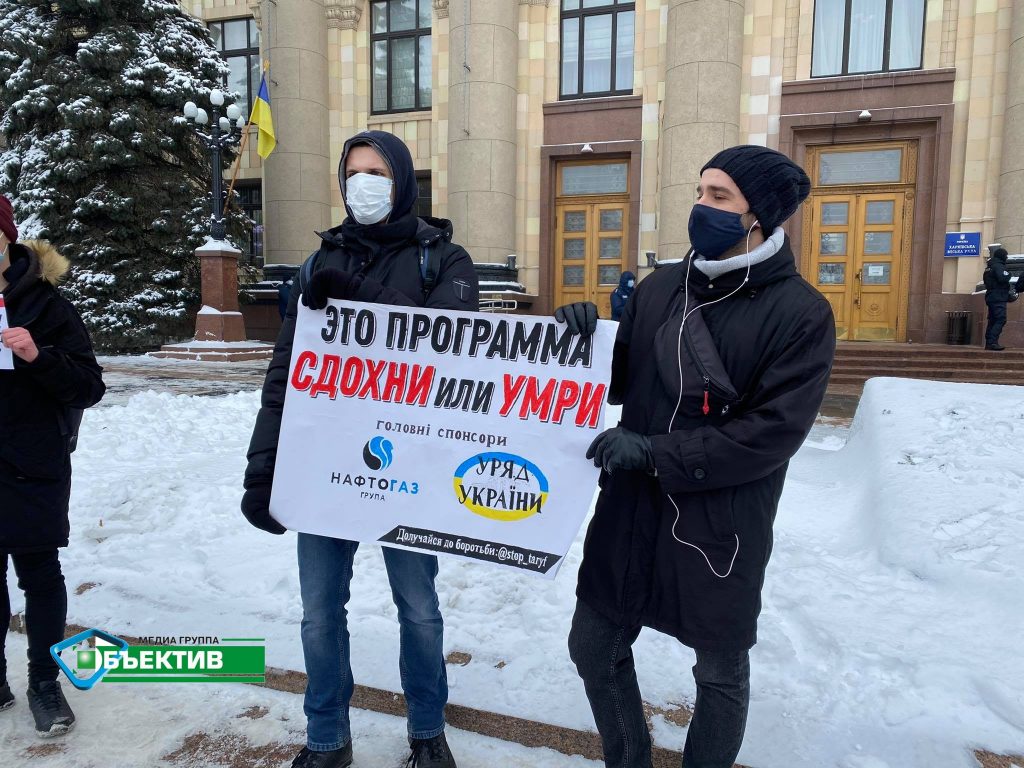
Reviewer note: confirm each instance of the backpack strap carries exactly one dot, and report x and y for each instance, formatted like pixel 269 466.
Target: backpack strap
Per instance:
pixel 306 272
pixel 428 270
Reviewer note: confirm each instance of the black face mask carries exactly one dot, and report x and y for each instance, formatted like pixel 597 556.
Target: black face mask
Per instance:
pixel 714 231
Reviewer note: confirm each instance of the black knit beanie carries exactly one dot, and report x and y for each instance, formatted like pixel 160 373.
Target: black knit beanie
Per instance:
pixel 772 183
pixel 1000 254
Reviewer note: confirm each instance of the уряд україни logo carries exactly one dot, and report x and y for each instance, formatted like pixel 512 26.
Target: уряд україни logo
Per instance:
pixel 501 486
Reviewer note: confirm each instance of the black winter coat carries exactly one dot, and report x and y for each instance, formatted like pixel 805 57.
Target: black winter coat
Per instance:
pixel 760 362
pixel 35 465
pixel 997 282
pixel 393 277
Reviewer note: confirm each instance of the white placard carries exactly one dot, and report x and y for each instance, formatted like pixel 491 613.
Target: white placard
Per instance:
pixel 455 433
pixel 876 270
pixel 6 356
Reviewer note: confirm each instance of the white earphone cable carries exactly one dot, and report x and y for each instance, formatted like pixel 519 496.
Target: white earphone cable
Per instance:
pixel 679 400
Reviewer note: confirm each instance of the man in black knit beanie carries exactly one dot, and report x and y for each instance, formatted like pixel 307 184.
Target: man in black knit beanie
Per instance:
pixel 721 362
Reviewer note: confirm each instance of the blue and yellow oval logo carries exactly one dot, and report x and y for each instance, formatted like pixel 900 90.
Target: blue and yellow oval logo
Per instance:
pixel 501 486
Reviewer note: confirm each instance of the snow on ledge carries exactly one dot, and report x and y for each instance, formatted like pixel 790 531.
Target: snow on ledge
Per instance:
pixel 226 345
pixel 213 246
pixel 208 310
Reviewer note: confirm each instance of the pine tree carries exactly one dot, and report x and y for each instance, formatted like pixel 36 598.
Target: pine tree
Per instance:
pixel 99 159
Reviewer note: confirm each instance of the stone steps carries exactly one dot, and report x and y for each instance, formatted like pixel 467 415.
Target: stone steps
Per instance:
pixel 855 363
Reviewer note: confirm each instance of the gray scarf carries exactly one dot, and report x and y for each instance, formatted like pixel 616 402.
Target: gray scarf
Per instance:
pixel 763 252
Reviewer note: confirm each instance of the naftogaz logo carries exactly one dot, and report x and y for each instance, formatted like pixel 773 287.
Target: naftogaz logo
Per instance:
pixel 501 486
pixel 378 453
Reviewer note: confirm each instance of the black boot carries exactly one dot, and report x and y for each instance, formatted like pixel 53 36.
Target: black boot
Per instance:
pixel 50 709
pixel 430 753
pixel 336 758
pixel 6 697
pixel 994 347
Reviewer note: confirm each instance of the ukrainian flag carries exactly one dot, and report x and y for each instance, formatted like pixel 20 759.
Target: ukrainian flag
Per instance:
pixel 264 120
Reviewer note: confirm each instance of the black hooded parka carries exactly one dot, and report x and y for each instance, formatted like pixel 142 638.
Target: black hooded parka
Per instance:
pixel 389 257
pixel 727 399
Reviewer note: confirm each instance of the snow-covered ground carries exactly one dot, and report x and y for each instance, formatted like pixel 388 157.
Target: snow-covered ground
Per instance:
pixel 195 726
pixel 892 616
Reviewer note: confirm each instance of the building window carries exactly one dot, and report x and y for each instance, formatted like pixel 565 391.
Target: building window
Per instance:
pixel 853 37
pixel 425 201
pixel 597 48
pixel 401 55
pixel 250 196
pixel 238 41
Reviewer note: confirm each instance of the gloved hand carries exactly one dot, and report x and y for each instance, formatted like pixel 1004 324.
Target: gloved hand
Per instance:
pixel 256 508
pixel 580 317
pixel 619 448
pixel 329 283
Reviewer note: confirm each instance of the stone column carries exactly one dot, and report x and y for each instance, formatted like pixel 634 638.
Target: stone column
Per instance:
pixel 482 126
pixel 1010 219
pixel 297 176
pixel 702 105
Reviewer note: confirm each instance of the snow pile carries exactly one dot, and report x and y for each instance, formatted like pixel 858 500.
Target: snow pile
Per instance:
pixel 890 634
pixel 892 608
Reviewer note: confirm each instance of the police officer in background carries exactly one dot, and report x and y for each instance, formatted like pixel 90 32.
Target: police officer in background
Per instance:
pixel 997 295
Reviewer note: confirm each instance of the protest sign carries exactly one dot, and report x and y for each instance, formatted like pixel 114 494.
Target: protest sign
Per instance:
pixel 450 432
pixel 6 356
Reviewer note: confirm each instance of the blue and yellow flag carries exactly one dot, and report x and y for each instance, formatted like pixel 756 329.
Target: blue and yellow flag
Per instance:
pixel 264 120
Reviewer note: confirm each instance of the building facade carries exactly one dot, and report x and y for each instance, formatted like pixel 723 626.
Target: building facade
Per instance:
pixel 571 133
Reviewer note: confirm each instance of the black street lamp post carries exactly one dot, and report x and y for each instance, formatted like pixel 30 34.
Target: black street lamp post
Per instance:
pixel 224 131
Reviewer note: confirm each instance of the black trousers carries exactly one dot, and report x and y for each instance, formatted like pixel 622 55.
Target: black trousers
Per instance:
pixel 46 610
pixel 996 321
pixel 603 654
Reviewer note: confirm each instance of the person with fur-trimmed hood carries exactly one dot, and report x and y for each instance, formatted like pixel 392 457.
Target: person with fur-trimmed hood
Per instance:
pixel 720 364
pixel 55 376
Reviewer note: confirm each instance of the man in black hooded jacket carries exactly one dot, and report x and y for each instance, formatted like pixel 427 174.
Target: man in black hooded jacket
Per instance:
pixel 720 364
pixel 381 253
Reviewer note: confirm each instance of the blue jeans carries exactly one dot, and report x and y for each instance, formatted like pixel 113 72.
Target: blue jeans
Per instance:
pixel 325 575
pixel 603 654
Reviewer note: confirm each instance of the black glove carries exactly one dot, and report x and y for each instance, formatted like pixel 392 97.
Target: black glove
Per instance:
pixel 256 508
pixel 329 283
pixel 580 317
pixel 618 448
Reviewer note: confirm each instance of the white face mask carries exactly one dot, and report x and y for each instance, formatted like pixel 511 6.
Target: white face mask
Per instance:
pixel 368 197
pixel 629 283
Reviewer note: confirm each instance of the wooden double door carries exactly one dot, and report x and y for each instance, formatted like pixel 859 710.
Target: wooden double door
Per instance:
pixel 857 258
pixel 590 251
